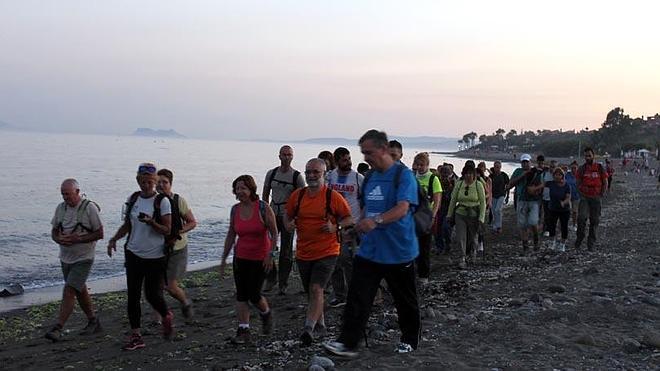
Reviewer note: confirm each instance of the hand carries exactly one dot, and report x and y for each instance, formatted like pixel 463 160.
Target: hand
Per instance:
pixel 290 226
pixel 328 227
pixel 223 265
pixel 366 225
pixel 146 219
pixel 268 263
pixel 112 246
pixel 66 239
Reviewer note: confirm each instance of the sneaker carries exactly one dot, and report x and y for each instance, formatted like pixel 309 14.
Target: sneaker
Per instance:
pixel 423 281
pixel 93 327
pixel 339 349
pixel 574 228
pixel 187 311
pixel 481 246
pixel 462 264
pixel 403 348
pixel 562 247
pixel 134 342
pixel 554 245
pixel 242 336
pixel 320 331
pixel 282 291
pixel 337 303
pixel 55 334
pixel 306 338
pixel 546 234
pixel 266 322
pixel 168 325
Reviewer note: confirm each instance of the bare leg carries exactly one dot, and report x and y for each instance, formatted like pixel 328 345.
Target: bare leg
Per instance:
pixel 85 301
pixel 315 309
pixel 68 301
pixel 243 311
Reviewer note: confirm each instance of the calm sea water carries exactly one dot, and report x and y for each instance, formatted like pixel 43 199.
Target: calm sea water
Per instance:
pixel 33 165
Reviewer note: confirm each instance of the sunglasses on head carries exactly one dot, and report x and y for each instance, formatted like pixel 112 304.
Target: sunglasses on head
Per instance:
pixel 147 169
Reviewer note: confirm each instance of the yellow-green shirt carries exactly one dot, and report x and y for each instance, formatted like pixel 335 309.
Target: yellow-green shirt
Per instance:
pixel 183 210
pixel 424 183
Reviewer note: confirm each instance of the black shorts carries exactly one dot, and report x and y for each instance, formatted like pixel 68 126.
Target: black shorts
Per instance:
pixel 249 277
pixel 316 271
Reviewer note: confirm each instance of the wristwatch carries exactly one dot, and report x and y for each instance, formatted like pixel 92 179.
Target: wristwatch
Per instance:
pixel 378 219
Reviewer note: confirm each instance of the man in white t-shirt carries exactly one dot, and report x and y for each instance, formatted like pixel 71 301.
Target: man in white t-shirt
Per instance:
pixel 349 183
pixel 76 226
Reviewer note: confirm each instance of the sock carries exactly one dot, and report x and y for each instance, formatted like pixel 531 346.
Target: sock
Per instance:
pixel 321 321
pixel 244 325
pixel 310 323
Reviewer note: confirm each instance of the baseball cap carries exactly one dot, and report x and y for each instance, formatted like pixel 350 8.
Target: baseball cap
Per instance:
pixel 525 157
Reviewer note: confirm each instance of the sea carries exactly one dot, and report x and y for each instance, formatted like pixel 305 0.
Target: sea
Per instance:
pixel 33 165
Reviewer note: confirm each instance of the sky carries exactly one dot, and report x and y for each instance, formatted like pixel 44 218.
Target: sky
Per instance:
pixel 303 69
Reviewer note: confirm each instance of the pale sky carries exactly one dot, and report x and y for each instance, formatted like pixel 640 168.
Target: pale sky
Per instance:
pixel 301 69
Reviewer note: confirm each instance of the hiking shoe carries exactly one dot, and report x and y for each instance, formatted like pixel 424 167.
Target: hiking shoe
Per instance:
pixel 55 334
pixel 168 325
pixel 267 322
pixel 562 247
pixel 337 303
pixel 93 327
pixel 187 311
pixel 320 331
pixel 423 281
pixel 242 336
pixel 306 338
pixel 481 246
pixel 282 291
pixel 339 349
pixel 134 342
pixel 403 348
pixel 546 234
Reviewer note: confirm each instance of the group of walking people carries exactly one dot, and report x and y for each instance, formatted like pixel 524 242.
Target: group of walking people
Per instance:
pixel 353 230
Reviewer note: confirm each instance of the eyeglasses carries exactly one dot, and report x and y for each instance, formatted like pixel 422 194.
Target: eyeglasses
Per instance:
pixel 146 169
pixel 308 172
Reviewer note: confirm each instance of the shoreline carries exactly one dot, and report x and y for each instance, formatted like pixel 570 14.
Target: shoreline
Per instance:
pixel 546 310
pixel 50 294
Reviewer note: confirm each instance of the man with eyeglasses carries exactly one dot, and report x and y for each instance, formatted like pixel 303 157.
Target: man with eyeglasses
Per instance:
pixel 76 228
pixel 281 181
pixel 388 249
pixel 318 214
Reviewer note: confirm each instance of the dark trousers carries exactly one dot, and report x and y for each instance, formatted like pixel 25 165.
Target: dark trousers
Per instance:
pixel 546 215
pixel 423 260
pixel 442 233
pixel 151 272
pixel 563 217
pixel 365 281
pixel 588 208
pixel 341 277
pixel 286 256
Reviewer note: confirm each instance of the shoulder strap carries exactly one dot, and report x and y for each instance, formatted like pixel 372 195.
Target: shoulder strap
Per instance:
pixel 397 175
pixel 364 186
pixel 301 194
pixel 129 206
pixel 157 201
pixel 296 174
pixel 430 192
pixel 328 199
pixel 357 184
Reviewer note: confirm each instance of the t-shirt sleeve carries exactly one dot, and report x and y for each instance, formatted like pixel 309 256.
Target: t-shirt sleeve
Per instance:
pixel 183 206
pixel 567 189
pixel 266 182
pixel 437 186
pixel 300 182
pixel 165 206
pixel 54 221
pixel 339 205
pixel 407 190
pixel 291 202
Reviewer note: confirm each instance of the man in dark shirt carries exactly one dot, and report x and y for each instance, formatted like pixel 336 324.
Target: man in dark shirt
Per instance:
pixel 500 194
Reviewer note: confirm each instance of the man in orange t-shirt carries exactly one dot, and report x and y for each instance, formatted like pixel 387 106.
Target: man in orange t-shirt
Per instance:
pixel 317 213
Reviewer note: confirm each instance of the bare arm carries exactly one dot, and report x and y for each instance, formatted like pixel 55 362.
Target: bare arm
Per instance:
pixel 437 200
pixel 265 193
pixel 271 224
pixel 189 222
pixel 121 232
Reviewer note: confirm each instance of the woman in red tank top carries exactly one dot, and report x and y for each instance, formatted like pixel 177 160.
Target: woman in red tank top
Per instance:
pixel 252 221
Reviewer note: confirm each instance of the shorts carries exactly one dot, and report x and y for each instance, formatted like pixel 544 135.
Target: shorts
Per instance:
pixel 249 276
pixel 527 213
pixel 177 264
pixel 316 271
pixel 75 274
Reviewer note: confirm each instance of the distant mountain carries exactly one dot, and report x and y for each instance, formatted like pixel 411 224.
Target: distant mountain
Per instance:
pixel 426 142
pixel 6 126
pixel 147 132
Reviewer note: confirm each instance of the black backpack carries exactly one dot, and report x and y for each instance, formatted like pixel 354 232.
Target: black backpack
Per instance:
pixel 177 222
pixel 422 213
pixel 296 174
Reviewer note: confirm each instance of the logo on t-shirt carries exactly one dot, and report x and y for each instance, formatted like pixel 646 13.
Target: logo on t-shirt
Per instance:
pixel 376 194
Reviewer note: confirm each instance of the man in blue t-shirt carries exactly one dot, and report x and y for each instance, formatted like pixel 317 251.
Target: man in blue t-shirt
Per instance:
pixel 387 251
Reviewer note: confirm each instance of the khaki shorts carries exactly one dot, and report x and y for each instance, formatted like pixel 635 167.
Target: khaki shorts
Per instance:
pixel 75 274
pixel 177 264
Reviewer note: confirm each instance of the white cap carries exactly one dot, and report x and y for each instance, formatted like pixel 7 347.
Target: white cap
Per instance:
pixel 525 157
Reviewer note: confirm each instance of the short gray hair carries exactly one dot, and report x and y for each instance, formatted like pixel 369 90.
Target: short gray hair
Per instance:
pixel 319 161
pixel 71 181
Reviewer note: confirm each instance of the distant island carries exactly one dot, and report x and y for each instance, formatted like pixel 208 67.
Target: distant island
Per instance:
pixel 147 132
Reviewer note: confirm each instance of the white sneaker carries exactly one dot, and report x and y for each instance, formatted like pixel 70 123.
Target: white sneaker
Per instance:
pixel 562 247
pixel 574 228
pixel 546 234
pixel 403 348
pixel 554 245
pixel 423 281
pixel 339 349
pixel 481 246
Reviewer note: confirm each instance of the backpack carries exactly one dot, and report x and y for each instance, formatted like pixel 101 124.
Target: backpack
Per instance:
pixel 296 174
pixel 84 203
pixel 328 198
pixel 422 213
pixel 177 223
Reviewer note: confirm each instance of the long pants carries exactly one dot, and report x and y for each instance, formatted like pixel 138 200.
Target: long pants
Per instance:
pixel 563 216
pixel 545 213
pixel 442 233
pixel 423 260
pixel 151 272
pixel 498 205
pixel 341 277
pixel 365 281
pixel 466 233
pixel 286 257
pixel 588 208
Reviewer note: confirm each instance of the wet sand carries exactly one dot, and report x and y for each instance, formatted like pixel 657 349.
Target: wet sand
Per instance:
pixel 547 310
